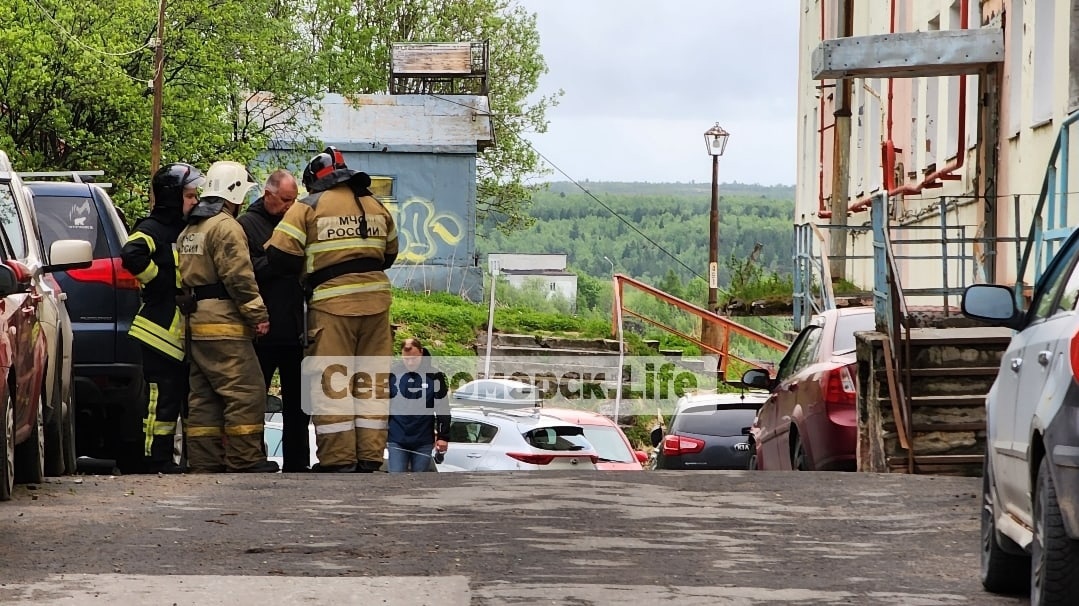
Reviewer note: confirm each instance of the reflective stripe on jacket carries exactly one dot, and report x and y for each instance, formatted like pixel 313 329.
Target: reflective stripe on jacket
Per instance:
pixel 335 226
pixel 213 251
pixel 150 255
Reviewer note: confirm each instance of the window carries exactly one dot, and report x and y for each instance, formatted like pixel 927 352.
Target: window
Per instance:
pixel 1042 101
pixel 71 218
pixel 609 443
pixel 11 222
pixel 471 432
pixel 1051 284
pixel 561 438
pixel 846 326
pixel 808 338
pixel 707 420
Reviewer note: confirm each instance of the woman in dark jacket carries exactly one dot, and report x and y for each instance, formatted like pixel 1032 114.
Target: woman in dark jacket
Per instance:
pixel 419 411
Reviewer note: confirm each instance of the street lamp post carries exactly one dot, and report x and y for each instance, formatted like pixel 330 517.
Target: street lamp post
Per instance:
pixel 715 139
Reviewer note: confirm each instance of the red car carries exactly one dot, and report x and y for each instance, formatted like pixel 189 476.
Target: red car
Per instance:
pixel 23 348
pixel 612 445
pixel 809 421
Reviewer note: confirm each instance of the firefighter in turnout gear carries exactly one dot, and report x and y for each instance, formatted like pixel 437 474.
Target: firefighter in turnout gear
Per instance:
pixel 224 314
pixel 343 240
pixel 150 255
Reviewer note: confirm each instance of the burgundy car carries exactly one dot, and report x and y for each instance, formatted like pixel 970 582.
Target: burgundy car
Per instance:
pixel 809 421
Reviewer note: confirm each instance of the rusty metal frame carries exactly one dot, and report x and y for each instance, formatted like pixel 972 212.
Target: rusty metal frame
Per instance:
pixel 729 326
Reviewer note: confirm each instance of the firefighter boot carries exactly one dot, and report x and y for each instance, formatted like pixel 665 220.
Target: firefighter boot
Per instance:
pixel 162 453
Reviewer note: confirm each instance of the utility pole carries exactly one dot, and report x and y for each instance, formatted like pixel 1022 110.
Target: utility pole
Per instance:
pixel 159 82
pixel 837 252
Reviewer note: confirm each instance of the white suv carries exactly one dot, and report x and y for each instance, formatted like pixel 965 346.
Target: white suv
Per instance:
pixel 1030 496
pixel 483 439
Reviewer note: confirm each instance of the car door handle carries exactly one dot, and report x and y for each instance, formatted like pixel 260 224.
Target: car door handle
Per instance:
pixel 1016 363
pixel 474 455
pixel 1044 357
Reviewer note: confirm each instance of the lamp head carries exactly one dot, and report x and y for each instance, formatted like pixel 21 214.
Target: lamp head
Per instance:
pixel 715 140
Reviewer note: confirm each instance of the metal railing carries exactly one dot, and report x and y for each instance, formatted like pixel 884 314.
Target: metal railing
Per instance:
pixel 1045 234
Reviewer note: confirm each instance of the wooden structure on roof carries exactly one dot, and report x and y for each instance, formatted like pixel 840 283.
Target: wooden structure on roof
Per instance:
pixel 448 68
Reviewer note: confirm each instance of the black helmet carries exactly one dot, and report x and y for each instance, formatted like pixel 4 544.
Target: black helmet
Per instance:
pixel 170 181
pixel 326 170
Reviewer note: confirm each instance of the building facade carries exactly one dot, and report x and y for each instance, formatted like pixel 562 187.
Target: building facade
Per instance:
pixel 548 269
pixel 420 151
pixel 951 110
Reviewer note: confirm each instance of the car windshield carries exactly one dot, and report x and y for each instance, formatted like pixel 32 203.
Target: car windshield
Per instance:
pixel 609 444
pixel 845 328
pixel 557 438
pixel 70 218
pixel 706 420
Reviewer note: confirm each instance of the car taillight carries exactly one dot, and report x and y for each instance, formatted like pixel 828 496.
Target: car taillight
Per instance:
pixel 531 459
pixel 839 390
pixel 545 459
pixel 106 271
pixel 674 445
pixel 1075 355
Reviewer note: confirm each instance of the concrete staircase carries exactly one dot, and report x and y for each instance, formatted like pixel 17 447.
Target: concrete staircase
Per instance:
pixel 950 371
pixel 533 355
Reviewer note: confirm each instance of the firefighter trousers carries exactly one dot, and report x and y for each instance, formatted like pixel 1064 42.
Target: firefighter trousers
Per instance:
pixel 360 437
pixel 227 407
pixel 164 392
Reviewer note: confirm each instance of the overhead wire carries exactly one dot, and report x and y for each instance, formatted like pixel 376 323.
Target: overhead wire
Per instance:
pixel 81 44
pixel 613 212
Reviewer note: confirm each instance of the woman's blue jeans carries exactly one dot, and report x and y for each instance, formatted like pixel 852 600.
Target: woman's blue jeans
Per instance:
pixel 409 459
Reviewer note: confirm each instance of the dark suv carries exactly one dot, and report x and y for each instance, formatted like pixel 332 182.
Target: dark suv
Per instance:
pixel 102 301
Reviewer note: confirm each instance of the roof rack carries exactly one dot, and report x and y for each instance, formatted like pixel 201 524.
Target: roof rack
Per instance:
pixel 76 176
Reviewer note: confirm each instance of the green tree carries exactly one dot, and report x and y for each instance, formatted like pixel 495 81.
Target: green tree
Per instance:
pixel 351 43
pixel 75 74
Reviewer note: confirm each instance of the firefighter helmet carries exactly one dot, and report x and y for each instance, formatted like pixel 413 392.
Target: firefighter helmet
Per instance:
pixel 170 181
pixel 228 180
pixel 326 170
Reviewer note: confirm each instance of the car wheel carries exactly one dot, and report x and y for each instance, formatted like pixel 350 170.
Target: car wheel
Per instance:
pixel 752 464
pixel 1054 556
pixel 799 460
pixel 7 447
pixel 30 455
pixel 1002 571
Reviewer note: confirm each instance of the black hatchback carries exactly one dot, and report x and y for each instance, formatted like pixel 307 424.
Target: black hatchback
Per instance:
pixel 708 431
pixel 101 300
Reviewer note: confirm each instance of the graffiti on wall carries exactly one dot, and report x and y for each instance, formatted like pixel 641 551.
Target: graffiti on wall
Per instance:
pixel 424 232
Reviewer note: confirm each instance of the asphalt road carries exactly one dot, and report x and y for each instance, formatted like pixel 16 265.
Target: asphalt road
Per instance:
pixel 569 538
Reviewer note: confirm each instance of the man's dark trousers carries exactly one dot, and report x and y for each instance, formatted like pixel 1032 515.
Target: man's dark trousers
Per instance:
pixel 286 360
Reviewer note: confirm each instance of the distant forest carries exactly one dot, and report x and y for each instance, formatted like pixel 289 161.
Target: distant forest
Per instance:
pixel 673 218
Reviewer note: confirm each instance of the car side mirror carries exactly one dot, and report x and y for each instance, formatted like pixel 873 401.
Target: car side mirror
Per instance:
pixel 642 456
pixel 991 303
pixel 69 254
pixel 656 437
pixel 758 378
pixel 274 404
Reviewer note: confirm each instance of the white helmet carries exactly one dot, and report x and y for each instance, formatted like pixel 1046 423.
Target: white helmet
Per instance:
pixel 228 180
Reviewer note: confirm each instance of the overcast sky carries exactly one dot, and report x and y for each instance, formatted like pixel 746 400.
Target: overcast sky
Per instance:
pixel 643 80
